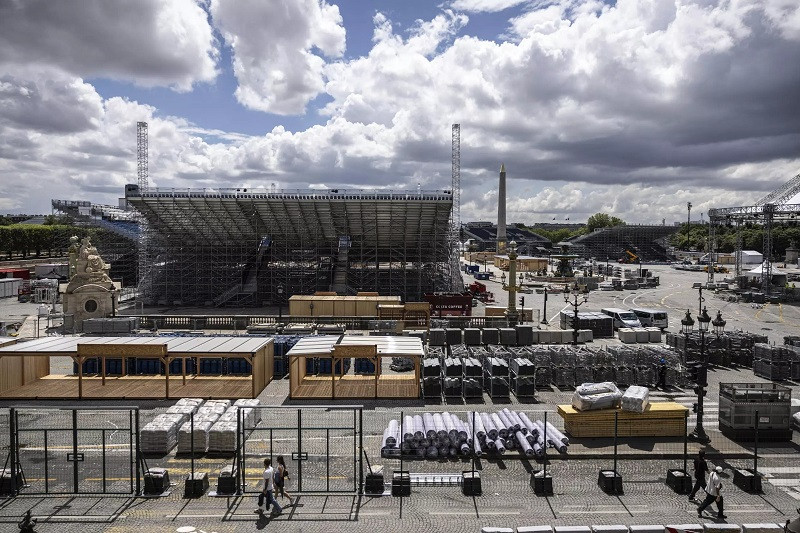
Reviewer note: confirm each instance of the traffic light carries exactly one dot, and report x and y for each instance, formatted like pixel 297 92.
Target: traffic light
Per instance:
pixel 698 374
pixel 522 301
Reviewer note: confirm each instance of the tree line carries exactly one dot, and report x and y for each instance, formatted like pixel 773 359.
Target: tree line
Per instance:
pixel 783 235
pixel 34 240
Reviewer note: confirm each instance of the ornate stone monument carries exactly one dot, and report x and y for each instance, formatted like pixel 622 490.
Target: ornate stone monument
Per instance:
pixel 90 292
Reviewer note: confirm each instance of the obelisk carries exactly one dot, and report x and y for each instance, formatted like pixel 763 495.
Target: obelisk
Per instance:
pixel 501 211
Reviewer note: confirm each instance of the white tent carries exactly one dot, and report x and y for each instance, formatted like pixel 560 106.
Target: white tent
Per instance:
pixel 756 272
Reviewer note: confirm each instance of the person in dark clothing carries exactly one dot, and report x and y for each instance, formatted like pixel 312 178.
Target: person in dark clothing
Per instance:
pixel 700 471
pixel 662 375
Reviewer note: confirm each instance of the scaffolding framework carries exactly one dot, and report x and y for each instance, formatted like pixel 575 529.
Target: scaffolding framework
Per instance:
pixel 234 247
pixel 648 242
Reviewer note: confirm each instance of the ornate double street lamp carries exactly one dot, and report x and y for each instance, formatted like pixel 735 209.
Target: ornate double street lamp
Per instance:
pixel 698 371
pixel 575 296
pixel 511 311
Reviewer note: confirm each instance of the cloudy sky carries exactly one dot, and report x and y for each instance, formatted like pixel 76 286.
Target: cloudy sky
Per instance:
pixel 632 108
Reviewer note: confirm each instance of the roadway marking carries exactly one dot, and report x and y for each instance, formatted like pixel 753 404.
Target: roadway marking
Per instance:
pixel 471 512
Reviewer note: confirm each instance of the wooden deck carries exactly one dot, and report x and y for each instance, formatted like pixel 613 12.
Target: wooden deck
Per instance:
pixel 63 387
pixel 357 386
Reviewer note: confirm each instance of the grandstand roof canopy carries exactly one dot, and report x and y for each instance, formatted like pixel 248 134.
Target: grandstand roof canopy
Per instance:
pixel 176 346
pixel 218 215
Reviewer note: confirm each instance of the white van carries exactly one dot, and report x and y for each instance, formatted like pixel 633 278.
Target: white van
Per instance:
pixel 622 318
pixel 652 317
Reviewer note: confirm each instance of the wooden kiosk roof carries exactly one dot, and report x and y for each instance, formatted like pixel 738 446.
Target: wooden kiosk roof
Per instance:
pixel 336 386
pixel 258 351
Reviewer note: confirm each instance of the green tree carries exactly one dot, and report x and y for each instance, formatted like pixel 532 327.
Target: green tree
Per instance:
pixel 602 220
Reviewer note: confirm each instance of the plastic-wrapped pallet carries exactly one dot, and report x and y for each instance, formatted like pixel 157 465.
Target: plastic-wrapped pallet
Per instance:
pixel 200 436
pixel 160 435
pixel 635 399
pixel 182 410
pixel 472 367
pixel 453 367
pixel 522 366
pixel 591 396
pixel 255 414
pixel 194 402
pixel 222 435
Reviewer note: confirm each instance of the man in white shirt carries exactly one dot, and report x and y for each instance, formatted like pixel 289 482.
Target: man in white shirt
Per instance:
pixel 713 493
pixel 266 492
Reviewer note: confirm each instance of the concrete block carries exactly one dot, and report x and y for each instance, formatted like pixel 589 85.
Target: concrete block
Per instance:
pixel 546 336
pixel 698 528
pixel 648 528
pixel 497 530
pixel 762 528
pixel 572 529
pixel 642 335
pixel 711 527
pixel 535 529
pixel 655 334
pixel 535 336
pixel 566 336
pixel 626 335
pixel 585 335
pixel 610 529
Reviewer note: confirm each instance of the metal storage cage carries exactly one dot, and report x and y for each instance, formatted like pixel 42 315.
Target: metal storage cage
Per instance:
pixel 739 403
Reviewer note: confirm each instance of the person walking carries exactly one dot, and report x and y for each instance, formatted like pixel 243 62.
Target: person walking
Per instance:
pixel 281 475
pixel 700 471
pixel 662 375
pixel 713 494
pixel 266 492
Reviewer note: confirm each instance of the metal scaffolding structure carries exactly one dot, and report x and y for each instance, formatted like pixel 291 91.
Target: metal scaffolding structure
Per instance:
pixel 773 207
pixel 456 281
pixel 648 242
pixel 235 247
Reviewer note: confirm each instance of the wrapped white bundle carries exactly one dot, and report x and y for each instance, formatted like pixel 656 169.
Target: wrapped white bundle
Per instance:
pixel 590 396
pixel 194 402
pixel 635 399
pixel 222 435
pixel 182 409
pixel 161 434
pixel 200 436
pixel 248 402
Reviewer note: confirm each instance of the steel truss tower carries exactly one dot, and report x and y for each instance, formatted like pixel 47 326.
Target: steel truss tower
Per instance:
pixel 772 207
pixel 456 281
pixel 143 180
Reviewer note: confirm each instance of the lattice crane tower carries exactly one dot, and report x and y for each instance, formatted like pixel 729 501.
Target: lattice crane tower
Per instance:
pixel 141 156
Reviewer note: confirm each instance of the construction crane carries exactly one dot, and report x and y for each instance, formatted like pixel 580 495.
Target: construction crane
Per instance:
pixel 774 206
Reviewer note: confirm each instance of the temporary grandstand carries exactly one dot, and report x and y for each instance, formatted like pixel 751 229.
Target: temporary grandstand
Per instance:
pixel 251 247
pixel 484 237
pixel 648 242
pixel 114 231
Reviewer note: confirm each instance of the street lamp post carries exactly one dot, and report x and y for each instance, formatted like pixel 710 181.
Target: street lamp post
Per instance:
pixel 544 311
pixel 575 296
pixel 512 288
pixel 279 290
pixel 703 321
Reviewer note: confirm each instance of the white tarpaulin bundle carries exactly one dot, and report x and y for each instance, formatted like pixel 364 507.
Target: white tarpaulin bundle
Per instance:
pixel 635 399
pixel 589 396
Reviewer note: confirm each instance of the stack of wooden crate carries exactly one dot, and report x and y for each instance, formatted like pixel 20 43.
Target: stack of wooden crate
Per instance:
pixel 660 419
